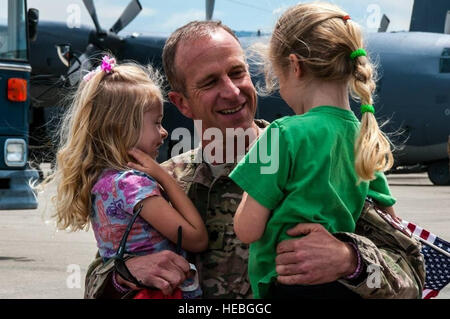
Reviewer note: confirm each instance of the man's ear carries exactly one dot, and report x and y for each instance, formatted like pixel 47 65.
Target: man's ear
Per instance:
pixel 179 100
pixel 295 65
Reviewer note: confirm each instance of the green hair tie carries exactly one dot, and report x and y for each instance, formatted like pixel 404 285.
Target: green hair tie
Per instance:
pixel 367 108
pixel 357 53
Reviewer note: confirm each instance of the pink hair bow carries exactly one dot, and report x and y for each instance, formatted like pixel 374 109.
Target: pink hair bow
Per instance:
pixel 107 66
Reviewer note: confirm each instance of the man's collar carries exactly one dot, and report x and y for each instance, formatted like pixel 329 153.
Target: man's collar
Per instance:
pixel 203 174
pixel 262 124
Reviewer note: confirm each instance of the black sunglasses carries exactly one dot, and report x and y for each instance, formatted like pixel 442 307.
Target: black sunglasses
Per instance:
pixel 119 263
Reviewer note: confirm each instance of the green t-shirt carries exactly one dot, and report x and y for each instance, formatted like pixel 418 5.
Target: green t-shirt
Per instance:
pixel 302 169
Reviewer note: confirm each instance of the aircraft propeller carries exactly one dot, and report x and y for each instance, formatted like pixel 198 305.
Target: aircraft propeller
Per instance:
pixel 209 9
pixel 128 15
pixel 89 4
pixel 131 11
pixel 384 23
pixel 102 40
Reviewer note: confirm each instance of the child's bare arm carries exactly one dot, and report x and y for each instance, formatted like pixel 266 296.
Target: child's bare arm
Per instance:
pixel 165 217
pixel 250 219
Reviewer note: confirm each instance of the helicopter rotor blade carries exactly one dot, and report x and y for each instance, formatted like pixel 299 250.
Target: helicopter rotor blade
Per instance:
pixel 209 9
pixel 128 15
pixel 89 4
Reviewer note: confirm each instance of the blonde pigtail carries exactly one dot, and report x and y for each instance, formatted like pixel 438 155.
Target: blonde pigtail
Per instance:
pixel 372 148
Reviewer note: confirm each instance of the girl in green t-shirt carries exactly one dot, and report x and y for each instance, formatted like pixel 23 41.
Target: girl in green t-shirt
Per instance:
pixel 326 162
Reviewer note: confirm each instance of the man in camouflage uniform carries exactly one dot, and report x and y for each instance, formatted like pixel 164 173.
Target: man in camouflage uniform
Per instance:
pixel 391 263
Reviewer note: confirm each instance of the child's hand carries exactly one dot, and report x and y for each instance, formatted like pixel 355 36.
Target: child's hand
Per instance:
pixel 390 210
pixel 145 163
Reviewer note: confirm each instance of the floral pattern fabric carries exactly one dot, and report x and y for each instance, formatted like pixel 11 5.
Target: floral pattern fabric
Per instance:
pixel 114 196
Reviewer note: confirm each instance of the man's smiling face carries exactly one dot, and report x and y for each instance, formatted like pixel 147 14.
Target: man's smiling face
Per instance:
pixel 218 87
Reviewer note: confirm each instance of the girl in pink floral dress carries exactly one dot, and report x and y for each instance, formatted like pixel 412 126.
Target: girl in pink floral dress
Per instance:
pixel 114 119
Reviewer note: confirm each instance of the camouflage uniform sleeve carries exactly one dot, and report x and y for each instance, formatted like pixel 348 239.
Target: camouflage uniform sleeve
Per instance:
pixel 393 266
pixel 98 283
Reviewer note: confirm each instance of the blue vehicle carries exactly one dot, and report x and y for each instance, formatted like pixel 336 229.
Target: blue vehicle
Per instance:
pixel 15 69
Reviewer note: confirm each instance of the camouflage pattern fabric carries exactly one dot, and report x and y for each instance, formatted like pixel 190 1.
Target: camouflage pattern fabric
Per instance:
pixel 94 282
pixel 393 260
pixel 98 279
pixel 223 266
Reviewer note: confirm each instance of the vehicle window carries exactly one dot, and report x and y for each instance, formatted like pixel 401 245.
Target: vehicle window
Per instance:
pixel 13 35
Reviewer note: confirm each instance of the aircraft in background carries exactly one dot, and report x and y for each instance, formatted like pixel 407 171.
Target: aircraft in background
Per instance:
pixel 413 89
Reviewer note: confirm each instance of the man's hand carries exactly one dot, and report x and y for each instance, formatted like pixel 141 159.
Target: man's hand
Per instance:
pixel 163 270
pixel 316 258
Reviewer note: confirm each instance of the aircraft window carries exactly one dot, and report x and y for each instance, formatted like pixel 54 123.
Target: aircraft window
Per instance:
pixel 445 61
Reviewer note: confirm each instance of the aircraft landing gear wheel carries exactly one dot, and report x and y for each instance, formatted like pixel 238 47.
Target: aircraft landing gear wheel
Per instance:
pixel 439 173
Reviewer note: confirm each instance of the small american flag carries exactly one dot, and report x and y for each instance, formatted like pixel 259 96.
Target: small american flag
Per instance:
pixel 436 252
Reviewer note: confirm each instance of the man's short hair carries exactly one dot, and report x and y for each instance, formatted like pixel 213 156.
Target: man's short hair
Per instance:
pixel 189 32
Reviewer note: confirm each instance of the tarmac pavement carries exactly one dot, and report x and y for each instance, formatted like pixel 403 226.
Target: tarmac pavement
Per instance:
pixel 38 262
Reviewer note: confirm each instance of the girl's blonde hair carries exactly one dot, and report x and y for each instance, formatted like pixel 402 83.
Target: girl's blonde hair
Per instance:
pixel 323 39
pixel 103 122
